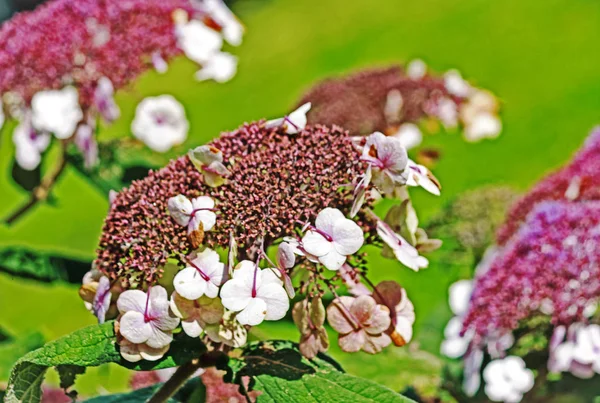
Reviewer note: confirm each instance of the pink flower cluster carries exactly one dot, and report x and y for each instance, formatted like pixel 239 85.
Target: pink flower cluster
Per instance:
pixel 550 266
pixel 77 42
pixel 578 181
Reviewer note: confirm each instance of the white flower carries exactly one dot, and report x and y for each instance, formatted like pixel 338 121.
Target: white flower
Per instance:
pixel 202 276
pixel 160 122
pixel 455 345
pixel 409 134
pixel 220 67
pixel 419 175
pixel 198 42
pixel 256 294
pixel 86 143
pixel 579 354
pixel 404 251
pixel 506 380
pixel 146 318
pixel 333 238
pixel 483 125
pixel 393 106
pixel 104 100
pixel 471 376
pixel 388 158
pixel 197 314
pixel 233 30
pixel 136 352
pixel 416 69
pixel 209 161
pixel 456 85
pixel 294 122
pixel 29 145
pixel 192 213
pixel 56 111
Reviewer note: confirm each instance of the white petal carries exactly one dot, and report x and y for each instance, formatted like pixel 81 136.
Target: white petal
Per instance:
pixel 270 276
pixel 254 313
pixel 152 354
pixel 416 69
pixel 298 119
pixel 159 338
pixel 189 283
pixel 347 236
pixel 192 328
pixel 236 295
pixel 333 260
pixel 276 299
pixel 203 202
pixel 180 208
pixel 129 351
pixel 220 67
pixel 208 219
pixel 56 111
pixel 327 218
pixel 454 347
pixel 409 135
pixel 198 41
pixel 316 244
pixel 132 300
pixel 134 328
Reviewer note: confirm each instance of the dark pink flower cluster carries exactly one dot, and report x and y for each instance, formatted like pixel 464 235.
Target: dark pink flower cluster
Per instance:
pixel 276 182
pixel 79 41
pixel 358 102
pixel 578 181
pixel 551 265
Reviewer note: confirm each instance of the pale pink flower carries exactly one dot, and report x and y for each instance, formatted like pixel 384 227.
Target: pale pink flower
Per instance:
pixel 404 251
pixel 209 161
pixel 192 213
pixel 292 123
pixel 388 158
pixel 202 276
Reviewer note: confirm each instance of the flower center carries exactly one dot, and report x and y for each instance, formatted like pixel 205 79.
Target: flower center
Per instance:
pixel 324 234
pixel 254 281
pixel 147 317
pixel 199 270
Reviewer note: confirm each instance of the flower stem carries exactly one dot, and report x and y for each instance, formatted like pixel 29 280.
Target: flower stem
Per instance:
pixel 41 192
pixel 180 376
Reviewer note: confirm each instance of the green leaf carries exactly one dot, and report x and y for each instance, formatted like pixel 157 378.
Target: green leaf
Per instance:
pixel 27 263
pixel 279 370
pixel 87 347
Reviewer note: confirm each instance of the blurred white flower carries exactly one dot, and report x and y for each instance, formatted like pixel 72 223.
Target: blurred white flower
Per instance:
pixel 579 354
pixel 393 106
pixel 416 69
pixel 447 111
pixel 483 125
pixel 56 111
pixel 198 42
pixel 104 100
pixel 456 85
pixel 409 134
pixel 233 30
pixel 220 67
pixel 507 379
pixel 29 145
pixel 294 122
pixel 454 345
pixel 160 64
pixel 160 122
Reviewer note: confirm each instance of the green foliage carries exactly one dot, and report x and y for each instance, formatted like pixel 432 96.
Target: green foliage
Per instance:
pixel 193 391
pixel 87 347
pixel 281 373
pixel 13 349
pixel 28 263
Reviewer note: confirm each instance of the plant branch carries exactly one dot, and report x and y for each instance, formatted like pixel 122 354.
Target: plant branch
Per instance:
pixel 180 376
pixel 41 192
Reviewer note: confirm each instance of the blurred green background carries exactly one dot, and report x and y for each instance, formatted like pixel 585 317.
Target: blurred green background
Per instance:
pixel 541 58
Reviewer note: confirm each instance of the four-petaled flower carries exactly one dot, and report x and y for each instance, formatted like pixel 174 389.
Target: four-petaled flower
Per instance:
pixel 209 161
pixel 196 214
pixel 56 111
pixel 256 294
pixel 387 156
pixel 333 238
pixel 292 123
pixel 160 123
pixel 196 314
pixel 361 323
pixel 146 317
pixel 202 276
